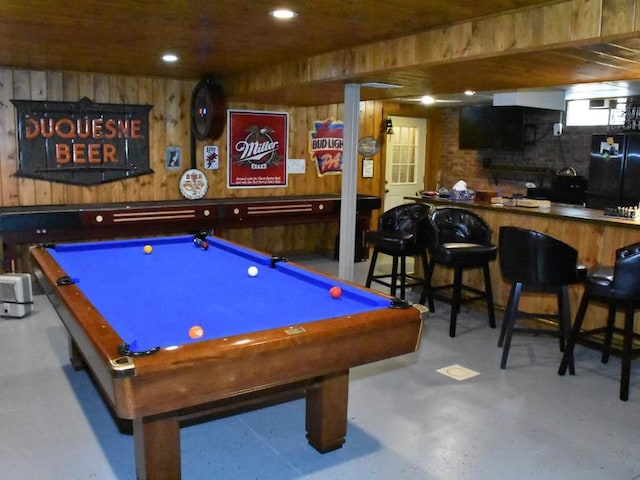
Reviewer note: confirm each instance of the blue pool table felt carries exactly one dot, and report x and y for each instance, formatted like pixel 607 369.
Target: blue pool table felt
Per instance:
pixel 152 300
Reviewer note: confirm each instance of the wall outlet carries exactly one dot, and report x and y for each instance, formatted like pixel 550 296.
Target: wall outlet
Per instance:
pixel 557 129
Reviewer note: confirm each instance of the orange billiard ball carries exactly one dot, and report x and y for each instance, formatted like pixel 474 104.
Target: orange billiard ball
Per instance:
pixel 335 292
pixel 196 331
pixel 148 249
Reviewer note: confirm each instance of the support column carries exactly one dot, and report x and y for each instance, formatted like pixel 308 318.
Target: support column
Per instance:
pixel 349 181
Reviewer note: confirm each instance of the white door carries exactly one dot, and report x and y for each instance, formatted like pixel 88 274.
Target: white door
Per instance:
pixel 405 154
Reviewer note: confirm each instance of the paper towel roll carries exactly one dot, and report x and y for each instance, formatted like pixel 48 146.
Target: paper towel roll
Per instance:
pixel 459 186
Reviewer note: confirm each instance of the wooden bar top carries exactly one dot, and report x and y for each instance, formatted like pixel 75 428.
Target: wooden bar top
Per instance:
pixel 557 210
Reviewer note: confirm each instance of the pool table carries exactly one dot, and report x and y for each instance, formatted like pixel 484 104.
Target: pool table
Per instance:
pixel 257 339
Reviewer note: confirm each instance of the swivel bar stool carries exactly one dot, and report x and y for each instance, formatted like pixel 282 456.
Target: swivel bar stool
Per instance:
pixel 460 239
pixel 536 262
pixel 618 287
pixel 402 233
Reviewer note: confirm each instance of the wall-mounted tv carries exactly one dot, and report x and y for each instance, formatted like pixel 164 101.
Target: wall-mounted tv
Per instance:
pixel 491 128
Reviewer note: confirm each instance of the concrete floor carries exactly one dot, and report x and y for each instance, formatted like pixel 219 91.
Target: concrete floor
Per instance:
pixel 406 420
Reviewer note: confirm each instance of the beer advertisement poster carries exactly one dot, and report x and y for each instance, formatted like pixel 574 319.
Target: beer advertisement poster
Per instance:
pixel 82 143
pixel 257 152
pixel 326 145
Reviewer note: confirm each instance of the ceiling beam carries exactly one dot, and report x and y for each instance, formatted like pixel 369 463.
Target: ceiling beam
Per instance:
pixel 573 41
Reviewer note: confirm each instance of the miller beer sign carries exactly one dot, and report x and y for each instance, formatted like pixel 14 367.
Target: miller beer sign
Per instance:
pixel 257 149
pixel 82 143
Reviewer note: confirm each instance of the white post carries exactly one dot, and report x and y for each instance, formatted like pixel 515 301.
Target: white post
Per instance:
pixel 349 181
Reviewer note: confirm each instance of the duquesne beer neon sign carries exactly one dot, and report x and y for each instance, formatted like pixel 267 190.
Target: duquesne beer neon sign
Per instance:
pixel 82 143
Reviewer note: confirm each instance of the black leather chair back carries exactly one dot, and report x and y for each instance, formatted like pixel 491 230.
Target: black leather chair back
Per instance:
pixel 626 272
pixel 457 225
pixel 534 258
pixel 402 232
pixel 408 220
pixel 459 239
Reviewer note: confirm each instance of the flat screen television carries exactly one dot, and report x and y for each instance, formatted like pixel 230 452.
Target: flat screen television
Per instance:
pixel 491 128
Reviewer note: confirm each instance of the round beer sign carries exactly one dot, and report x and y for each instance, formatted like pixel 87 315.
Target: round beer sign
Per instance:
pixel 193 184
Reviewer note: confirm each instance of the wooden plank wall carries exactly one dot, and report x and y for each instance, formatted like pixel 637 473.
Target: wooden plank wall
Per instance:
pixel 169 125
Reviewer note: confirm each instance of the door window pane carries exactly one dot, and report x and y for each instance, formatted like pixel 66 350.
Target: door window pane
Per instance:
pixel 403 168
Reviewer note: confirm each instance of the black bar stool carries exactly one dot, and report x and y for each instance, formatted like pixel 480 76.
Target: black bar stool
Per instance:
pixel 618 287
pixel 460 239
pixel 535 262
pixel 402 233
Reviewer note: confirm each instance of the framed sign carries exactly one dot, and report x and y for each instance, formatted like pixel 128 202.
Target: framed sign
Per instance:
pixel 211 157
pixel 257 149
pixel 325 146
pixel 193 184
pixel 173 157
pixel 82 143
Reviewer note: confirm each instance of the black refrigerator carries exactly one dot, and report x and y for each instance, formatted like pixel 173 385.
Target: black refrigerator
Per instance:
pixel 614 171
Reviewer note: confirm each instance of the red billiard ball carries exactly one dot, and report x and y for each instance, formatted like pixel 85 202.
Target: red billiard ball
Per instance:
pixel 335 292
pixel 196 331
pixel 204 245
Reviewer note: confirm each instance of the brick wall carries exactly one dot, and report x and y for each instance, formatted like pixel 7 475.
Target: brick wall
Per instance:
pixel 571 149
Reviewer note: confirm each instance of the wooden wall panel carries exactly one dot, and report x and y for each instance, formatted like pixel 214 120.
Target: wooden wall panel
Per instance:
pixel 371 114
pixel 158 141
pixel 615 16
pixel 529 28
pixel 169 124
pixel 585 18
pixel 8 188
pixel 58 191
pixel 482 35
pixel 22 89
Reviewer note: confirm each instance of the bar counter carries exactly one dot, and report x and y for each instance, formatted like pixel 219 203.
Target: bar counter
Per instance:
pixel 593 234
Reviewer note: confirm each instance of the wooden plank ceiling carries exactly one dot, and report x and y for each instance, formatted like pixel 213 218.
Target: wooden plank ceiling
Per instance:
pixel 229 37
pixel 561 68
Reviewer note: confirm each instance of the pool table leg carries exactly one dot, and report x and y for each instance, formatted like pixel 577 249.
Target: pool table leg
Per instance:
pixel 157 448
pixel 75 357
pixel 326 417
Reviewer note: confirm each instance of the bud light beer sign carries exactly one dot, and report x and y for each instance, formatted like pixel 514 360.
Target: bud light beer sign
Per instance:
pixel 325 146
pixel 257 149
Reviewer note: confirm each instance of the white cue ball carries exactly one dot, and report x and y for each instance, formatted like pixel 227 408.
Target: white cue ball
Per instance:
pixel 252 271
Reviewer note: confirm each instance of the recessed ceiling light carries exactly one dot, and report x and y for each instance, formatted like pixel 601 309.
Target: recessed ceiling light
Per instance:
pixel 430 100
pixel 283 14
pixel 169 58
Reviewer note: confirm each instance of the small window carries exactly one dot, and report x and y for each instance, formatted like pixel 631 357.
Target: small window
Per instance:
pixel 596 112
